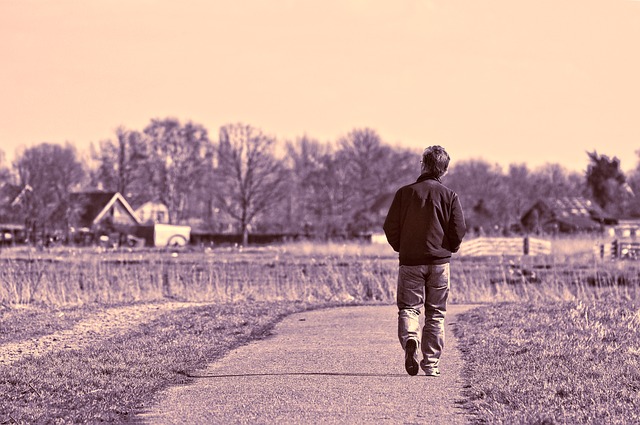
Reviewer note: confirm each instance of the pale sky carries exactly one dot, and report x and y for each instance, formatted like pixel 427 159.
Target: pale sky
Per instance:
pixel 508 81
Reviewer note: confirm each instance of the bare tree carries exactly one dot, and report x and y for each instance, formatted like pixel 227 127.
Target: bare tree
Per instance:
pixel 122 164
pixel 519 186
pixel 555 181
pixel 371 168
pixel 482 191
pixel 335 190
pixel 180 157
pixel 308 160
pixel 360 153
pixel 249 179
pixel 52 171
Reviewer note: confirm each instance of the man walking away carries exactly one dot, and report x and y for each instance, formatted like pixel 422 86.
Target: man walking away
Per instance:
pixel 425 224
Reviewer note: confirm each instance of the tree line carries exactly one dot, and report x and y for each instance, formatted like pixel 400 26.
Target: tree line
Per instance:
pixel 247 181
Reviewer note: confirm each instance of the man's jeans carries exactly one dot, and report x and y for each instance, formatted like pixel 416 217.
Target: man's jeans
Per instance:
pixel 426 286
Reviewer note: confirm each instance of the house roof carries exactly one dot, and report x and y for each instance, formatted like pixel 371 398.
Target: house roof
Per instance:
pixel 577 207
pixel 629 222
pixel 92 206
pixel 578 222
pixel 574 212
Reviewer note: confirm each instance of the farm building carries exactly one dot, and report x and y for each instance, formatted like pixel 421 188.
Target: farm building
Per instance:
pixel 565 215
pixel 110 217
pixel 152 212
pixel 100 213
pixel 625 228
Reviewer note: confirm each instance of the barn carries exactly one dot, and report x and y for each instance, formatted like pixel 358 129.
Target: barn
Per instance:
pixel 565 215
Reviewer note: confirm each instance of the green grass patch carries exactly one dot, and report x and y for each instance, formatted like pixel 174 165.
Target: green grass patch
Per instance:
pixel 120 376
pixel 28 321
pixel 552 363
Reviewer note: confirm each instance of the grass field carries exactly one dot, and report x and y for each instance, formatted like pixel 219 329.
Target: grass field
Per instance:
pixel 555 342
pixel 571 362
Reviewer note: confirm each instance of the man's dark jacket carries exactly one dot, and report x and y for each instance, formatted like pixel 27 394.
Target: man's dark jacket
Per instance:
pixel 425 223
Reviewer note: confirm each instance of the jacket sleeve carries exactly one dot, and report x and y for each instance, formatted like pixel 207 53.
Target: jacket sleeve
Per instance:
pixel 392 223
pixel 457 226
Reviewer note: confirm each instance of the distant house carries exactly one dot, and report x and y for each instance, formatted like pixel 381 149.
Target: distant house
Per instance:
pixel 12 220
pixel 100 213
pixel 565 215
pixel 152 213
pixel 627 228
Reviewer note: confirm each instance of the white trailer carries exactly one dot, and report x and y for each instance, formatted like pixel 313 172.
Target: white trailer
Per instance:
pixel 170 235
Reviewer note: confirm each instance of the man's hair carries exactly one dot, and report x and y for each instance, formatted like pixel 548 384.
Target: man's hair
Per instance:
pixel 435 161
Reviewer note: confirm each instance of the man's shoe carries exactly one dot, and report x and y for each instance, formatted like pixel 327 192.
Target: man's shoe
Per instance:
pixel 432 371
pixel 411 357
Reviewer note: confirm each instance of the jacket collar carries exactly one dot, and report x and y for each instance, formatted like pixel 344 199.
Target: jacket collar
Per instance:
pixel 427 176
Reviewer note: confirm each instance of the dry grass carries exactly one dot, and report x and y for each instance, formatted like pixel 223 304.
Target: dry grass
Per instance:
pixel 557 309
pixel 301 271
pixel 553 363
pixel 541 280
pixel 203 277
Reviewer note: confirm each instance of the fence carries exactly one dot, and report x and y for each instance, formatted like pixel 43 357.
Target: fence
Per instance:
pixel 629 249
pixel 488 246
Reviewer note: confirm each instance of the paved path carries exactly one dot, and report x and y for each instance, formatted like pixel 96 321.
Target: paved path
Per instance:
pixel 341 365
